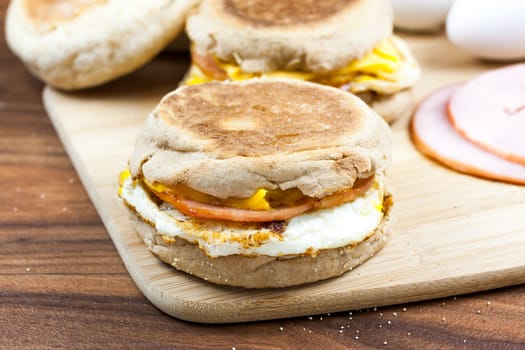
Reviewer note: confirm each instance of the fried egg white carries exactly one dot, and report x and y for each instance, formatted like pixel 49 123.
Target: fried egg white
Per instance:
pixel 304 234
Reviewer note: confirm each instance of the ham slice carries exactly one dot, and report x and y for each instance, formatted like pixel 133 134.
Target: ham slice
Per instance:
pixel 435 137
pixel 208 66
pixel 489 110
pixel 201 210
pixel 207 211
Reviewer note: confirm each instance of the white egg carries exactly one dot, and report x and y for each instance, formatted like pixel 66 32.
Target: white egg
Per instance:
pixel 321 229
pixel 488 29
pixel 420 15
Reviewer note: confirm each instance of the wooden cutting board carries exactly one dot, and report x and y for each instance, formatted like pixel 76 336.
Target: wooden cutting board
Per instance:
pixel 453 233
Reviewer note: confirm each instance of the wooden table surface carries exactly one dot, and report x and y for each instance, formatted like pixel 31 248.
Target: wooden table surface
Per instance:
pixel 63 285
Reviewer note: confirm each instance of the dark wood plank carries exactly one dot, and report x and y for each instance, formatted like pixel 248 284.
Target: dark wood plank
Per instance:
pixel 62 284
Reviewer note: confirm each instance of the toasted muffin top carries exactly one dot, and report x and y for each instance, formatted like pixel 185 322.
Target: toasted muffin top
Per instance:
pixel 258 119
pixel 283 13
pixel 228 139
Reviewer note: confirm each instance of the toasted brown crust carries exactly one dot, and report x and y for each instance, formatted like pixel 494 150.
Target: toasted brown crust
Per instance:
pixel 284 13
pixel 262 36
pixel 228 139
pixel 49 13
pixel 264 271
pixel 253 120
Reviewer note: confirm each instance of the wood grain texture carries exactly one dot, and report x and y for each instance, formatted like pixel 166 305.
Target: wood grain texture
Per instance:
pixel 63 285
pixel 453 233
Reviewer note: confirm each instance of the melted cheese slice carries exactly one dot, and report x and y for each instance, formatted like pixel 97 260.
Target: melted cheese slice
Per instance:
pixel 389 68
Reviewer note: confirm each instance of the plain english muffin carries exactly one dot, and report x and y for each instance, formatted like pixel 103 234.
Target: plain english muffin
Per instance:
pixel 261 183
pixel 77 44
pixel 342 43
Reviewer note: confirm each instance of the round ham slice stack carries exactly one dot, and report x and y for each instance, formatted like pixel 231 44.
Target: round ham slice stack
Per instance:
pixel 478 127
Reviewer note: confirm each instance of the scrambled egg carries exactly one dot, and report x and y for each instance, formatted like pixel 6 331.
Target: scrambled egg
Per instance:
pixel 389 68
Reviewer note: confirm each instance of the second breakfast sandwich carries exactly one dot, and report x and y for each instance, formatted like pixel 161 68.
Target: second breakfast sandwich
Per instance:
pixel 262 183
pixel 342 43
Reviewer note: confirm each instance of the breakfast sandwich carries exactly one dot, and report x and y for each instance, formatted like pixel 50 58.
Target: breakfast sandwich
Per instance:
pixel 261 183
pixel 342 43
pixel 82 43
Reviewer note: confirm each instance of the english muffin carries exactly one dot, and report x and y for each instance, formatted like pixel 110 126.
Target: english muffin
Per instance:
pixel 77 44
pixel 261 183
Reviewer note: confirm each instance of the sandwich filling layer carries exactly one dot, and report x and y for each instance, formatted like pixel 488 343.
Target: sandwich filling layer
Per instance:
pixel 306 233
pixel 387 69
